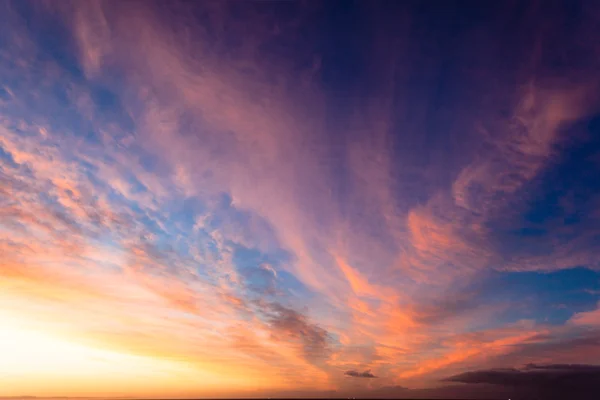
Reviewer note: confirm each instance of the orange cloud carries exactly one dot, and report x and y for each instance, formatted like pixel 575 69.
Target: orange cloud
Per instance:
pixel 359 284
pixel 473 347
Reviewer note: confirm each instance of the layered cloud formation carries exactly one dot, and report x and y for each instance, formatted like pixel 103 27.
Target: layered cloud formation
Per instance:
pixel 233 198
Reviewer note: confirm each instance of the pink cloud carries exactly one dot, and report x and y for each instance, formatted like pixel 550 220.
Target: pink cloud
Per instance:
pixel 586 318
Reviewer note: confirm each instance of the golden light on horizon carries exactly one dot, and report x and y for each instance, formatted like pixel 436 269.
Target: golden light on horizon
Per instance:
pixel 61 366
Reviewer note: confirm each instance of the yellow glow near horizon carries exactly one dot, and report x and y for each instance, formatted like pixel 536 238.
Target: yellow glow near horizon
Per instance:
pixel 33 362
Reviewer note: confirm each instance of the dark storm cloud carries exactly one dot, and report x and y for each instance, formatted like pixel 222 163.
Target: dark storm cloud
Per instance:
pixel 564 367
pixel 356 374
pixel 582 345
pixel 551 380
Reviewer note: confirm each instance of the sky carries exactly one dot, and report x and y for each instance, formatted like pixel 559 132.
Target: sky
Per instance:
pixel 299 198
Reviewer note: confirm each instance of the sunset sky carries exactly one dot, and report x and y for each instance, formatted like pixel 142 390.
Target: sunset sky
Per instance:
pixel 254 198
